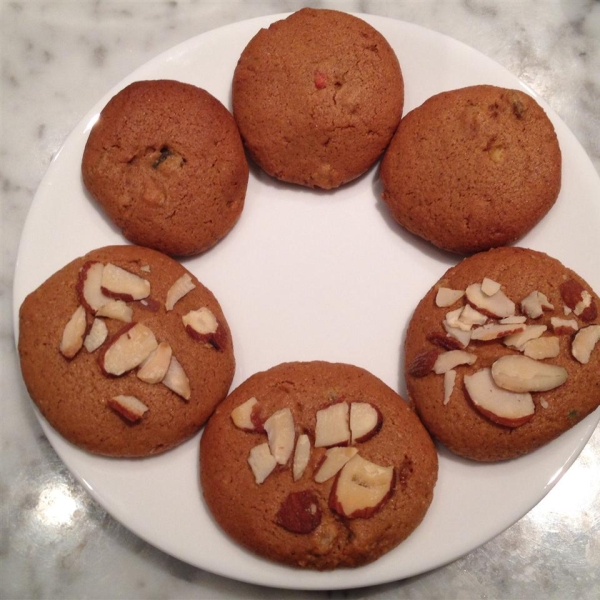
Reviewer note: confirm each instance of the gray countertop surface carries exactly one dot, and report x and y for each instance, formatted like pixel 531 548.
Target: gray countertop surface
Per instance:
pixel 58 59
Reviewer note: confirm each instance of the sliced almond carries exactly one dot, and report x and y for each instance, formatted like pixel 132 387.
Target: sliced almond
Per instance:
pixel 490 287
pixel 564 326
pixel 461 336
pixel 451 359
pixel 535 304
pixel 497 404
pixel 498 305
pixel 335 459
pixel 495 331
pixel 365 421
pixel 449 381
pixel 241 415
pixel 542 347
pixel 301 456
pixel 202 321
pixel 518 373
pixel 116 309
pixel 184 285
pixel 469 316
pixel 584 343
pixel 73 333
pixel 445 341
pixel 177 380
pixel 518 340
pixel 129 407
pixel 123 285
pixel 453 319
pixel 447 297
pixel 583 304
pixel 89 286
pixel 577 298
pixel 96 336
pixel 281 434
pixel 155 367
pixel 128 349
pixel 361 488
pixel 332 428
pixel 512 320
pixel 262 462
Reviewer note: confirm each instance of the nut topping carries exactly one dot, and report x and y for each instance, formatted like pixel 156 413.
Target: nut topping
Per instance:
pixel 176 379
pixel 129 407
pixel 584 343
pixel 497 404
pixel 361 488
pixel 300 512
pixel 123 285
pixel 497 306
pixel 96 336
pixel 281 434
pixel 155 367
pixel 332 428
pixel 518 373
pixel 73 333
pixel 178 290
pixel 128 349
pixel 261 462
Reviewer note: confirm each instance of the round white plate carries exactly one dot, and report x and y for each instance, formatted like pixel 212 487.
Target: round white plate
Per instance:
pixel 311 275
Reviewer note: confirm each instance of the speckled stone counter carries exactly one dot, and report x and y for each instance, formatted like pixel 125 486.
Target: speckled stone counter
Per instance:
pixel 58 59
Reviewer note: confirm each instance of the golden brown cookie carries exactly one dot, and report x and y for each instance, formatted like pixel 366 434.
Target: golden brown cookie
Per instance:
pixel 125 352
pixel 472 168
pixel 166 163
pixel 525 357
pixel 317 465
pixel 317 97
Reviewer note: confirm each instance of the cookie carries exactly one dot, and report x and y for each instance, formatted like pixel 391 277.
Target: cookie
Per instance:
pixel 166 163
pixel 125 352
pixel 317 97
pixel 472 169
pixel 502 354
pixel 317 465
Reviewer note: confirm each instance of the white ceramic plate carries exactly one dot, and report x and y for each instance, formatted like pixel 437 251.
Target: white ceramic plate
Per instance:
pixel 307 275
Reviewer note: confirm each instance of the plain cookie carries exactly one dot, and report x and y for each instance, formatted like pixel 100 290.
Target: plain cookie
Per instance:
pixel 317 97
pixel 166 163
pixel 472 168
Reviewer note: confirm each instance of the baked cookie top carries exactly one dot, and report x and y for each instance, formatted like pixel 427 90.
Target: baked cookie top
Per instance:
pixel 125 352
pixel 472 168
pixel 166 163
pixel 317 97
pixel 503 355
pixel 317 465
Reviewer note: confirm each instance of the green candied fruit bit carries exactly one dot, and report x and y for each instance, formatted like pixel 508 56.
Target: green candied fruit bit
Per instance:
pixel 572 414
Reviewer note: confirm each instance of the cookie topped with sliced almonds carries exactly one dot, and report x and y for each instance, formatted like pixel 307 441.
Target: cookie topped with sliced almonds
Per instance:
pixel 317 465
pixel 125 352
pixel 503 354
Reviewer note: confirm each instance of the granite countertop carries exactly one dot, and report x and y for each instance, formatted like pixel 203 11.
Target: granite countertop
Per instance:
pixel 58 58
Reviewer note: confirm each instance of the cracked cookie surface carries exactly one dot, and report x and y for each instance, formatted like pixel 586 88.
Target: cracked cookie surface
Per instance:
pixel 166 163
pixel 317 97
